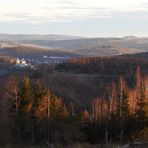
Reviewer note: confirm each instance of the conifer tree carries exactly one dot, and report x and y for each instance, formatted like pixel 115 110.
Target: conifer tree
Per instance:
pixel 38 93
pixel 25 107
pixel 13 100
pixel 141 96
pixel 123 106
pixel 25 95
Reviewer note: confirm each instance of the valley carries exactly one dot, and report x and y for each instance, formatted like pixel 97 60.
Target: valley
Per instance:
pixel 70 91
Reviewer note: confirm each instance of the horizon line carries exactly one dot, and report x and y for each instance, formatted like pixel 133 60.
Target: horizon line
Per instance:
pixel 134 36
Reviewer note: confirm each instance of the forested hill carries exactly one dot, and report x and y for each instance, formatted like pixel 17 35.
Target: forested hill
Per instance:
pixel 143 55
pixel 33 115
pixel 104 65
pixel 24 51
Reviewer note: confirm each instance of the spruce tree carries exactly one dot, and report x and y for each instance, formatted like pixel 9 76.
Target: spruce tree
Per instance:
pixel 141 97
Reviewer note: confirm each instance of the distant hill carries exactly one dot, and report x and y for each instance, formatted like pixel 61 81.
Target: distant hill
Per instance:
pixel 79 45
pixel 104 66
pixel 143 55
pixel 130 37
pixel 51 37
pixel 97 46
pixel 34 53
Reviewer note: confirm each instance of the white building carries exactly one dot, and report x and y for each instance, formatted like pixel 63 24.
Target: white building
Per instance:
pixel 21 63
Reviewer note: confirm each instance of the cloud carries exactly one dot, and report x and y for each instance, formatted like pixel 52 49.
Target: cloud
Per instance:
pixel 42 11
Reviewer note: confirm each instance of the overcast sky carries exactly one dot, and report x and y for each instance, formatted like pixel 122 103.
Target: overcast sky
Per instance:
pixel 75 17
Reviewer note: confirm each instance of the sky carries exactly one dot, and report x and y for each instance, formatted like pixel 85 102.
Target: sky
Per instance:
pixel 91 18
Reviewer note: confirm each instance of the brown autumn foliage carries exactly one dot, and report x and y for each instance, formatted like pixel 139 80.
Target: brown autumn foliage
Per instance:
pixel 92 122
pixel 104 107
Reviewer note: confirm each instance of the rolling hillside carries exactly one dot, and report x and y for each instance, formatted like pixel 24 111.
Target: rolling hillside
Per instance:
pixel 78 45
pixel 97 46
pixel 37 55
pixel 143 55
pixel 52 37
